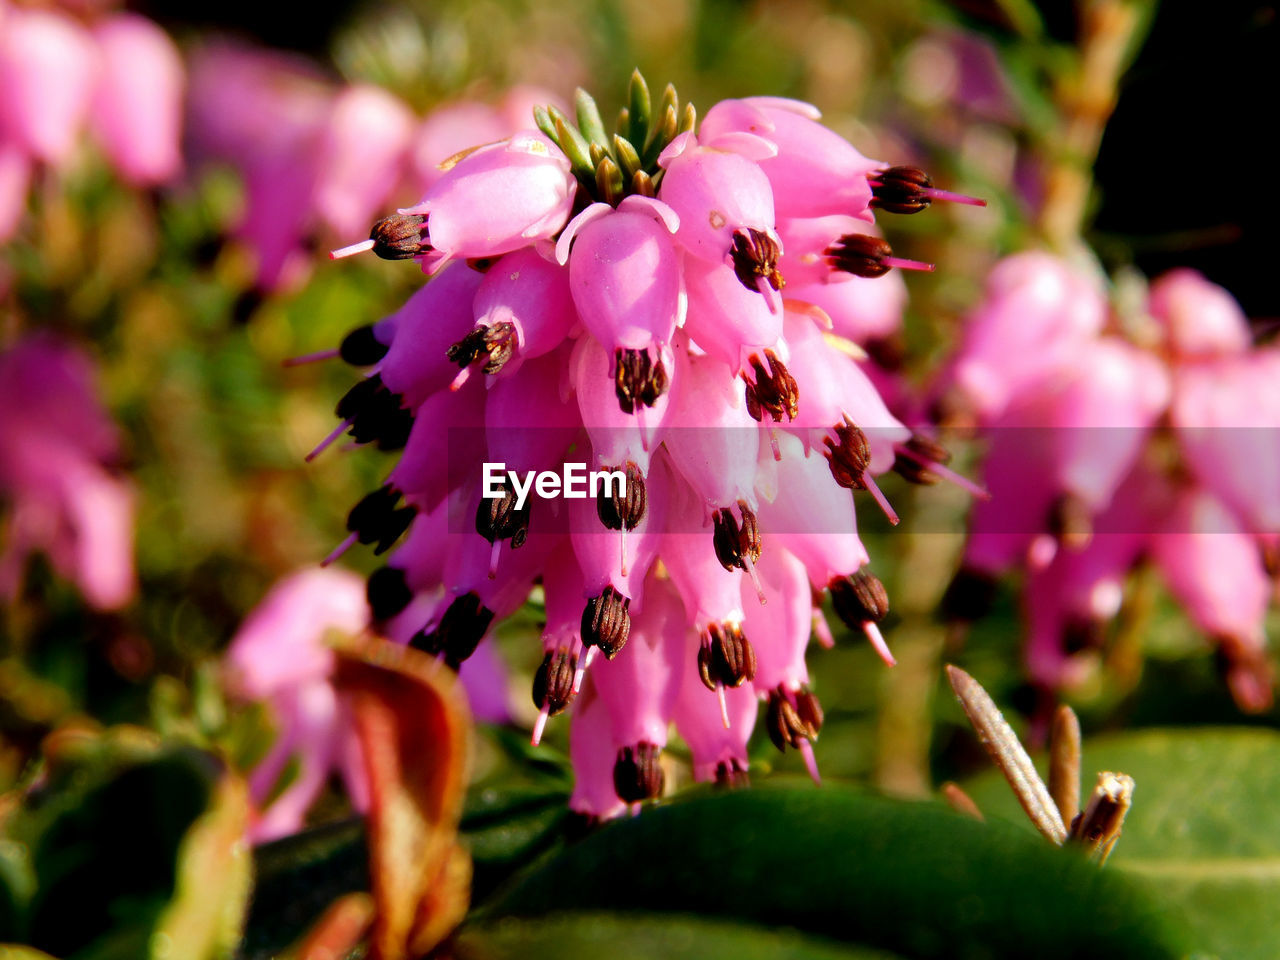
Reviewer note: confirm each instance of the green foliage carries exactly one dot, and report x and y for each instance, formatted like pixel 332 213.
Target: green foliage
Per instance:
pixel 1204 830
pixel 833 863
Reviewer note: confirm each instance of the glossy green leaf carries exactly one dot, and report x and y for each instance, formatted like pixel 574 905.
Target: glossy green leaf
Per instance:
pixel 1204 830
pixel 643 937
pixel 909 877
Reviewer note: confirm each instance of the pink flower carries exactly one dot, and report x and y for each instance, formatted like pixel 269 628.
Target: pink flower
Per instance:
pixel 1082 486
pixel 815 173
pixel 47 67
pixel 56 443
pixel 280 656
pixel 653 346
pixel 137 101
pixel 498 198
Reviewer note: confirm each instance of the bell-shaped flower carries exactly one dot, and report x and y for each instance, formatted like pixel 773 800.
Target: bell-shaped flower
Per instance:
pixel 498 198
pixel 815 173
pixel 137 99
pixel 48 64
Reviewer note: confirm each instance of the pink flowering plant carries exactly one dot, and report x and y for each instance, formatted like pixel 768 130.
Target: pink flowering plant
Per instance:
pixel 610 545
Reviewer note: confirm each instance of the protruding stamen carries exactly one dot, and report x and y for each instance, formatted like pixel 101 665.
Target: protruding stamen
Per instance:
pixel 339 550
pixel 638 379
pixel 306 358
pixel 377 518
pixel 822 629
pixel 553 686
pixel 754 255
pixel 737 546
pixel 584 664
pixel 1071 522
pixel 877 643
pixel 922 460
pixel 908 190
pixel 539 726
pixel 792 720
pixel 376 415
pixel 351 249
pixel 637 773
pixel 866 256
pixel 606 622
pixel 810 761
pixel 328 441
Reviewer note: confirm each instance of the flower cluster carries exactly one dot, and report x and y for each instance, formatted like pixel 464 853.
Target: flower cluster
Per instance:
pixel 56 448
pixel 314 155
pixel 1084 481
pixel 121 77
pixel 619 299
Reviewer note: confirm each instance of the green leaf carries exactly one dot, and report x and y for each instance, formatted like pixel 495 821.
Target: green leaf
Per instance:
pixel 643 937
pixel 141 844
pixel 1204 829
pixel 296 878
pixel 909 877
pixel 507 828
pixel 589 120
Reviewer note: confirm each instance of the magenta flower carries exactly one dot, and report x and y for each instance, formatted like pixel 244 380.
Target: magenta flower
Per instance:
pixel 280 656
pixel 1083 487
pixel 56 448
pixel 120 77
pixel 645 337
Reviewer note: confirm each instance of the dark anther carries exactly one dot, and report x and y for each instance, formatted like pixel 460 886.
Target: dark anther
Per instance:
pixel 775 393
pixel 498 519
pixel 755 255
pixel 376 414
pixel 606 622
pixel 926 452
pixel 1070 521
pixel 625 509
pixel 428 641
pixel 637 773
pixel 788 724
pixel 726 657
pixel 387 592
pixel 736 546
pixel 400 237
pixel 969 596
pixel 638 381
pixel 731 775
pixel 361 348
pixel 462 628
pixel 377 518
pixel 496 343
pixel 900 189
pixel 848 455
pixel 553 683
pixel 860 254
pixel 809 710
pixel 858 598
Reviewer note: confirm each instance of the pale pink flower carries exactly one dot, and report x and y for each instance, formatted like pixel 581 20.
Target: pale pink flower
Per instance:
pixel 137 100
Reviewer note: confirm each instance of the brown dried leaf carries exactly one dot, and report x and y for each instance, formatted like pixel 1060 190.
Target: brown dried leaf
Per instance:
pixel 414 728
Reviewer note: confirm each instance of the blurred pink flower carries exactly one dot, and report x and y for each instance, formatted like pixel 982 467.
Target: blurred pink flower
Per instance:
pixel 56 446
pixel 1083 487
